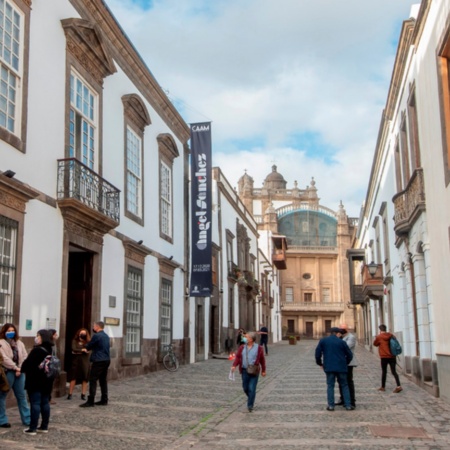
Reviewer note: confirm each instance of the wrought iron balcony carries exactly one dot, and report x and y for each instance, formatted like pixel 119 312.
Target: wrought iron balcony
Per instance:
pixel 409 204
pixel 80 187
pixel 233 271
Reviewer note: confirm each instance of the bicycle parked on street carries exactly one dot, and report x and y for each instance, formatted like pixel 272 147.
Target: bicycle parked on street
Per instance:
pixel 170 360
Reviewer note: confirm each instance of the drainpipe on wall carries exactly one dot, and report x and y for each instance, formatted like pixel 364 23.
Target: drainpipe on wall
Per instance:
pixel 414 302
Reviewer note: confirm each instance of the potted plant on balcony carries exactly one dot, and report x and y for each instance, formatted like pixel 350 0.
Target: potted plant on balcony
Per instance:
pixel 292 340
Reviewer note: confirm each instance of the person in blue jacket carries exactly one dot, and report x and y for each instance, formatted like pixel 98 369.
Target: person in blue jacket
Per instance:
pixel 100 360
pixel 336 356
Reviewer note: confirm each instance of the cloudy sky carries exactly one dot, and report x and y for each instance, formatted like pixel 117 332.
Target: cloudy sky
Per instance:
pixel 296 83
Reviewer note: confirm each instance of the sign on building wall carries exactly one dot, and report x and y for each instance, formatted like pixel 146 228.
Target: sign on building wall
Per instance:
pixel 201 270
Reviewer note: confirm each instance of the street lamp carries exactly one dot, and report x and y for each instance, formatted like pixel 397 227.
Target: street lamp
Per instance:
pixel 372 268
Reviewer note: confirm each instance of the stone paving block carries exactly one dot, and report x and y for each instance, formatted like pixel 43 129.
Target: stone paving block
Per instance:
pixel 197 407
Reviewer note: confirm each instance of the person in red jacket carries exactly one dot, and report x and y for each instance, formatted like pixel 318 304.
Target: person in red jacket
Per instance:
pixel 387 359
pixel 250 353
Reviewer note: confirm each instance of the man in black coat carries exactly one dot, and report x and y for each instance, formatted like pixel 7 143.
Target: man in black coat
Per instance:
pixel 100 360
pixel 336 356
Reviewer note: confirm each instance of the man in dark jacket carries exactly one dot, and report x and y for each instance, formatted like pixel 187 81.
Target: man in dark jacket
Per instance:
pixel 336 356
pixel 100 360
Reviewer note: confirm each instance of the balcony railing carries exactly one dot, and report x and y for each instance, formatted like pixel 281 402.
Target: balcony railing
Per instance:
pixel 312 306
pixel 233 270
pixel 409 204
pixel 357 297
pixel 77 181
pixel 279 258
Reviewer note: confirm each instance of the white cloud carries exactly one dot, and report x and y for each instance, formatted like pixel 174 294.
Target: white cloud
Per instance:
pixel 264 71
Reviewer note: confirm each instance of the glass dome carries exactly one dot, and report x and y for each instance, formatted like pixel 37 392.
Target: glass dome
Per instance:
pixel 308 229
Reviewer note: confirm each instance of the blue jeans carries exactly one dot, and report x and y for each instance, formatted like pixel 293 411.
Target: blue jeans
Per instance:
pixel 249 383
pixel 17 384
pixel 40 404
pixel 342 380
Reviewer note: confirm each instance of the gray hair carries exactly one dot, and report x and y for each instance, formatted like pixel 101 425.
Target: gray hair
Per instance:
pixel 253 335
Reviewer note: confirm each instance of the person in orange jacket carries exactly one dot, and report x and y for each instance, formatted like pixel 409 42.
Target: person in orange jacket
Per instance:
pixel 387 359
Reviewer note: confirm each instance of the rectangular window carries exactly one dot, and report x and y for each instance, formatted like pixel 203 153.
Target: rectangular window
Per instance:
pixel 405 154
pixel 413 133
pixel 231 304
pixel 289 296
pixel 82 126
pixel 166 313
pixel 134 313
pixel 307 297
pixel 11 47
pixel 134 173
pixel 166 199
pixel 8 245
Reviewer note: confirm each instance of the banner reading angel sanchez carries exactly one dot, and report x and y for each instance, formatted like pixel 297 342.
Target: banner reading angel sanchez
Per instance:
pixel 201 257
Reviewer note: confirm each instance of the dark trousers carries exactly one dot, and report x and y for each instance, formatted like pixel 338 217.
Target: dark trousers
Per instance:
pixel 391 362
pixel 99 371
pixel 39 406
pixel 264 344
pixel 351 386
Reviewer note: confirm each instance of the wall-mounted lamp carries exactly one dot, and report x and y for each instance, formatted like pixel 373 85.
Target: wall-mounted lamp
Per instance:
pixel 372 268
pixel 9 173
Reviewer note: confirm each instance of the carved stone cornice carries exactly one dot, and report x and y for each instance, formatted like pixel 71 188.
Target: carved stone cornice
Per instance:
pixel 132 64
pixel 136 111
pixel 167 266
pixel 82 231
pixel 85 43
pixel 167 147
pixel 91 222
pixel 135 251
pixel 15 194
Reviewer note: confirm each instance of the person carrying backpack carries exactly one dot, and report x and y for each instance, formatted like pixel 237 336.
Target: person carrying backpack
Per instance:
pixel 382 341
pixel 38 385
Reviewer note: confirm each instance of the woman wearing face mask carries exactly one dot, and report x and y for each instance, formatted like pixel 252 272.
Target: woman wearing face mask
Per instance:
pixel 37 384
pixel 14 354
pixel 79 371
pixel 250 353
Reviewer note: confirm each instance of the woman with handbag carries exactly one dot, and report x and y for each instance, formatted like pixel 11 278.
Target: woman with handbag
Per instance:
pixel 14 354
pixel 251 362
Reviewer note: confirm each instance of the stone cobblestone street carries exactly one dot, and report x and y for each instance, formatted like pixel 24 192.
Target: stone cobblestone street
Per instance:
pixel 198 407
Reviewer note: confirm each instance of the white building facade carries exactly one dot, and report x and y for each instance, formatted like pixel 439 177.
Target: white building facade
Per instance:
pixel 94 160
pixel 405 222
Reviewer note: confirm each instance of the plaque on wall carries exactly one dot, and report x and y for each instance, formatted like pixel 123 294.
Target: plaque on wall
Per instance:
pixel 115 321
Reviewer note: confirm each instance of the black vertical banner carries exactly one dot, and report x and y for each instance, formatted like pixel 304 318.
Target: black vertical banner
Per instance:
pixel 201 270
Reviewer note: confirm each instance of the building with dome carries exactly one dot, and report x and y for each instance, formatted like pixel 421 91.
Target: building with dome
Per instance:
pixel 315 290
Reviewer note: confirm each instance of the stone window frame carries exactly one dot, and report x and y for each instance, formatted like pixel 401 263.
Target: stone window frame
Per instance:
pixel 136 118
pixel 89 56
pixel 166 275
pixel 443 70
pixel 14 196
pixel 135 255
pixel 413 130
pixel 18 140
pixel 167 151
pixel 138 270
